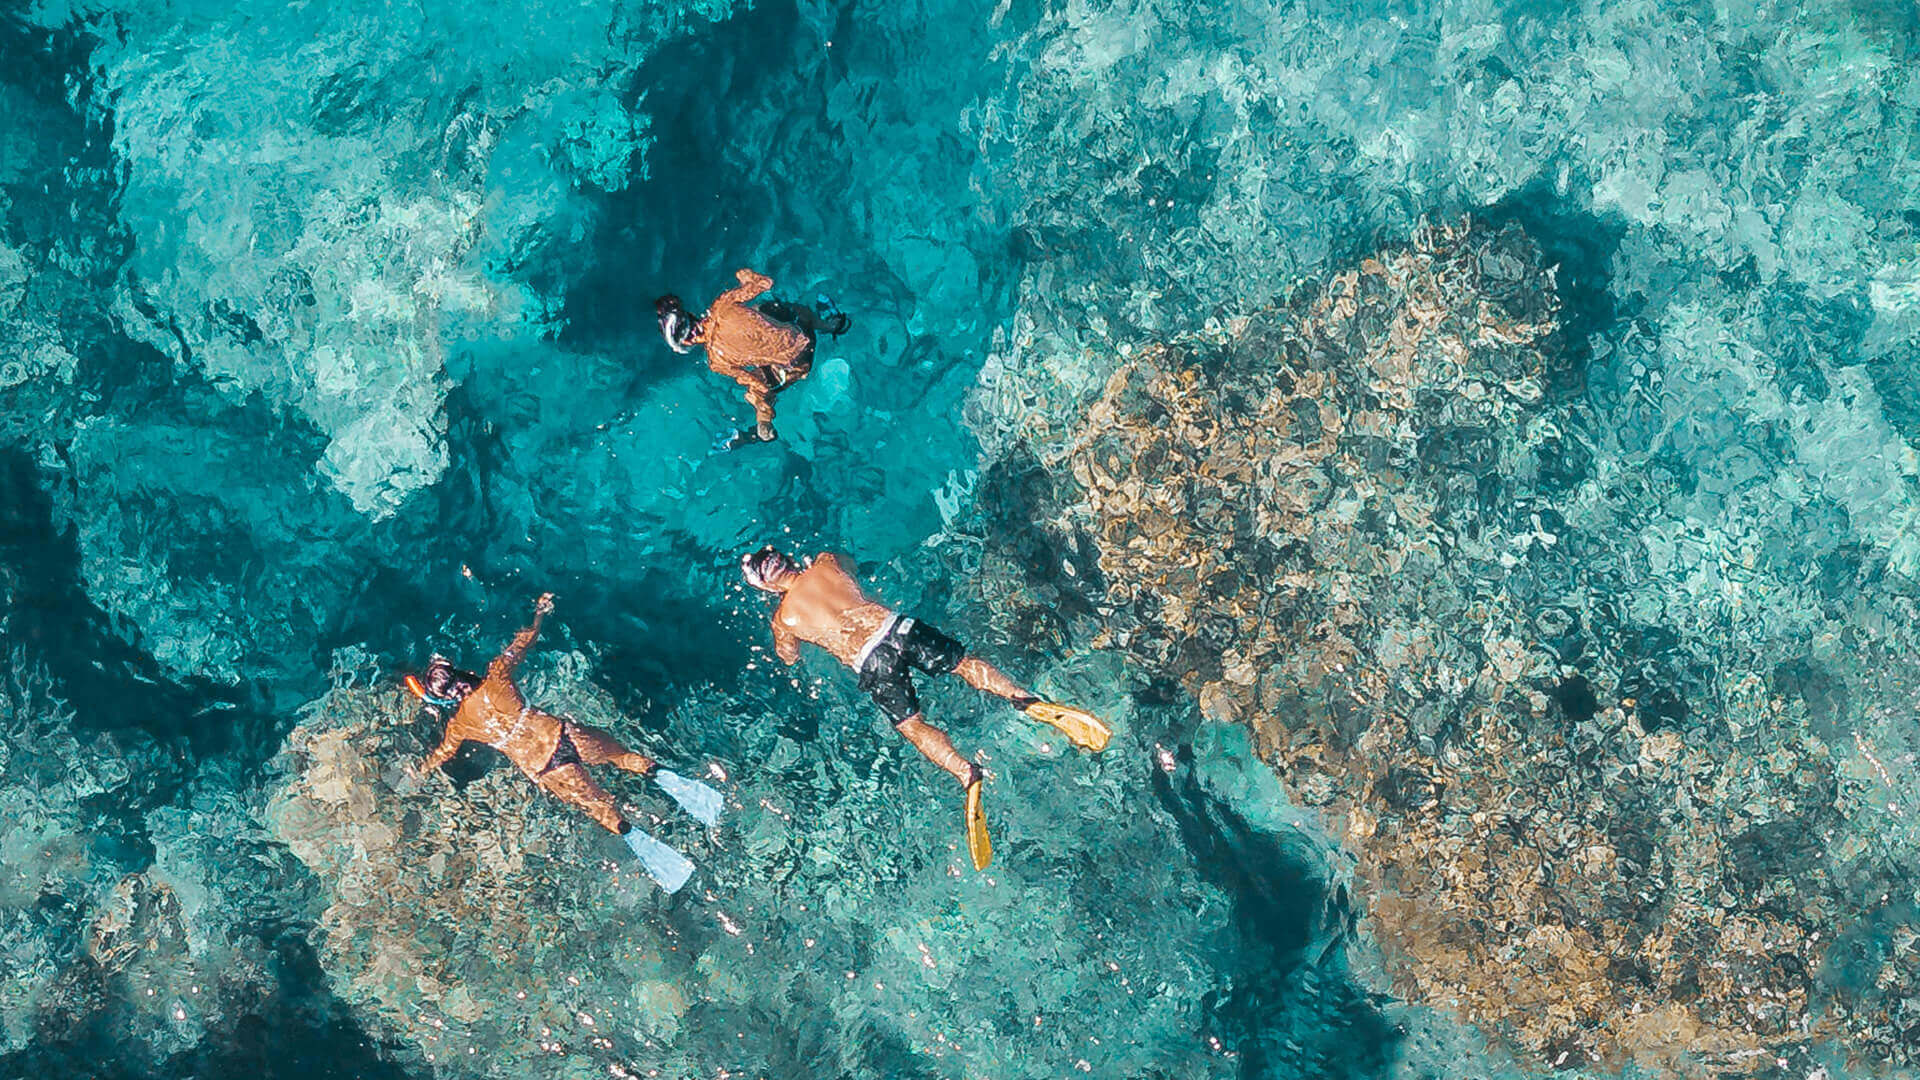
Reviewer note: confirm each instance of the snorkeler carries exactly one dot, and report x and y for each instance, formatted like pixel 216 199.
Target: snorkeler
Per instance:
pixel 765 348
pixel 553 751
pixel 822 604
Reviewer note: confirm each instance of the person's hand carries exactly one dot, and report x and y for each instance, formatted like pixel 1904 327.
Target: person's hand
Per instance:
pixel 410 782
pixel 544 605
pixel 765 431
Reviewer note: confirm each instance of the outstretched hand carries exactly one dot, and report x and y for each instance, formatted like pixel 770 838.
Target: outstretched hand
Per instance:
pixel 544 605
pixel 411 780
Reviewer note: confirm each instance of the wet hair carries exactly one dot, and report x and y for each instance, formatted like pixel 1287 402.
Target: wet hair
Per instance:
pixel 676 325
pixel 761 567
pixel 443 680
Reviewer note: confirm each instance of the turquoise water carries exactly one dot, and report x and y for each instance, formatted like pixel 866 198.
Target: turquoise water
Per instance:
pixel 326 342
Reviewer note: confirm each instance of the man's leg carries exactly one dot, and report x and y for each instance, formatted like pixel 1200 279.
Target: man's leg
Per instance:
pixel 572 784
pixel 933 742
pixel 939 749
pixel 984 677
pixel 892 689
pixel 596 747
pixel 1080 727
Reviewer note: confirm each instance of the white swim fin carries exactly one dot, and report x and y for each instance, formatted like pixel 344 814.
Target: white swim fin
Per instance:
pixel 663 864
pixel 694 797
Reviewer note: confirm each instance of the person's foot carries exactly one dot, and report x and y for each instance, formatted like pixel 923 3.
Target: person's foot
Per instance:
pixel 735 439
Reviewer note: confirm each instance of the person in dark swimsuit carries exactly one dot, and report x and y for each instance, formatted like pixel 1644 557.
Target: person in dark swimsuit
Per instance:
pixel 822 605
pixel 550 750
pixel 764 347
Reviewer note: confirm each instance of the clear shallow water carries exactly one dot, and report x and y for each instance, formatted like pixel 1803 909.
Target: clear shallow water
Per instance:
pixel 289 353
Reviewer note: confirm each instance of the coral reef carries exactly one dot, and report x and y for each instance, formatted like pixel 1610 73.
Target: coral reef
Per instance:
pixel 495 910
pixel 152 929
pixel 1606 814
pixel 832 928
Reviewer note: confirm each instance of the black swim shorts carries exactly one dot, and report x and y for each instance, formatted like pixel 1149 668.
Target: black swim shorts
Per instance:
pixel 898 645
pixel 802 319
pixel 564 752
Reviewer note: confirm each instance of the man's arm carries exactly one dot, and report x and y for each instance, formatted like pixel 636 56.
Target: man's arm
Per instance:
pixel 516 649
pixel 785 644
pixel 757 397
pixel 752 284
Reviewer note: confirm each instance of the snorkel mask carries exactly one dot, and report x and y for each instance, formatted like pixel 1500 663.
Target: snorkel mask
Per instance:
pixel 676 326
pixel 444 684
pixel 420 691
pixel 761 568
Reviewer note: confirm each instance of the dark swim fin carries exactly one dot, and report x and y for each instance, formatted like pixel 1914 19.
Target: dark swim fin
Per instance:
pixel 1080 727
pixel 832 319
pixel 978 845
pixel 734 440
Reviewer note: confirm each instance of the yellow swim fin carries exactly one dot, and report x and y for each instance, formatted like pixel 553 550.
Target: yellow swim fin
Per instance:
pixel 1078 725
pixel 978 845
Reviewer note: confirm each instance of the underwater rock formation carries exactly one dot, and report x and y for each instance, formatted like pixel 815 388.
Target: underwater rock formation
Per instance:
pixel 126 914
pixel 1609 817
pixel 834 926
pixel 50 872
pixel 315 233
pixel 487 923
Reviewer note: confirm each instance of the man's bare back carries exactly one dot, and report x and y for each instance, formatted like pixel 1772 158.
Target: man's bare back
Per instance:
pixel 765 348
pixel 824 606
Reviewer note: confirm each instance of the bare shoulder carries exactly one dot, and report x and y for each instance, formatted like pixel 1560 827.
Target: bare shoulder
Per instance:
pixel 834 577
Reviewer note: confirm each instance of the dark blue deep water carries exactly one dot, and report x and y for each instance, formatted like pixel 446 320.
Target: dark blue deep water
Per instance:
pixel 327 342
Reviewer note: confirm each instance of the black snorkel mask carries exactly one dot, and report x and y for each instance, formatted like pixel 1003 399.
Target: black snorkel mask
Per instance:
pixel 762 567
pixel 676 325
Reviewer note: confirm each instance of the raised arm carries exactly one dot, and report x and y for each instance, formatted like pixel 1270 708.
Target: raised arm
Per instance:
pixel 752 284
pixel 516 649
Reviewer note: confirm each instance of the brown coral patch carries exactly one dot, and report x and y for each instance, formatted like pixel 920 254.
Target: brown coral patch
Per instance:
pixel 1322 524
